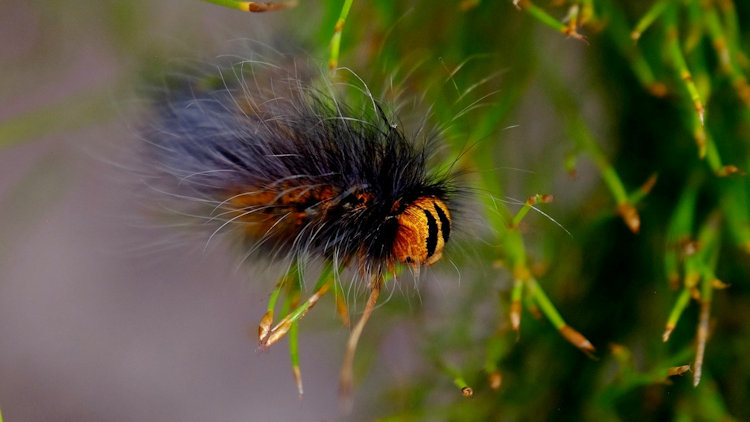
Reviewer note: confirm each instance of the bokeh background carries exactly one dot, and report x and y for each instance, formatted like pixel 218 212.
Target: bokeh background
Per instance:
pixel 107 315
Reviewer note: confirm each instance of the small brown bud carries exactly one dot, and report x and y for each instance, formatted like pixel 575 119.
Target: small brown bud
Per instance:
pixel 630 216
pixel 719 285
pixel 298 379
pixel 577 339
pixel 496 379
pixel 515 315
pixel 677 370
pixel 278 333
pixel 265 325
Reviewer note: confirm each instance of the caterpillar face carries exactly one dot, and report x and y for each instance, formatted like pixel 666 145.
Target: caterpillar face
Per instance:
pixel 423 229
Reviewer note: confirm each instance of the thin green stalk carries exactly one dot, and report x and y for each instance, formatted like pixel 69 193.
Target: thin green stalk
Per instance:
pixel 649 18
pixel 496 212
pixel 254 6
pixel 734 204
pixel 679 230
pixel 579 132
pixel 714 159
pixel 495 350
pixel 674 315
pixel 708 237
pixel 521 214
pixel 549 310
pixel 619 29
pixel 294 355
pixel 274 297
pixel 588 12
pixel 724 49
pixel 694 27
pixel 291 301
pixel 232 4
pixel 731 21
pixel 539 14
pixel 458 380
pixel 340 300
pixel 336 39
pixel 291 277
pixel 531 305
pixel 640 193
pixel 515 304
pixel 301 310
pixel 282 327
pixel 706 259
pixel 528 205
pixel 545 304
pixel 702 332
pixel 678 61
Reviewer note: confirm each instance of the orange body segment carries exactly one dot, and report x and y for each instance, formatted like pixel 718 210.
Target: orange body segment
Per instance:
pixel 423 229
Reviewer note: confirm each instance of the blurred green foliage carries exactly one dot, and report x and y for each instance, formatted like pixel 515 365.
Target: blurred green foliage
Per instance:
pixel 621 91
pixel 662 244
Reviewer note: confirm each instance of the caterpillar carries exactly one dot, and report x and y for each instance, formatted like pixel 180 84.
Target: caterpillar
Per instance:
pixel 294 172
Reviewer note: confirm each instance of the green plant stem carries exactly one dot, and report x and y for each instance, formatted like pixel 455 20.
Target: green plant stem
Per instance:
pixel 732 26
pixel 254 6
pixel 734 204
pixel 548 309
pixel 291 277
pixel 458 379
pixel 674 315
pixel 619 36
pixel 712 154
pixel 539 14
pixel 725 50
pixel 683 72
pixel 587 12
pixel 703 328
pixel 336 39
pixel 527 206
pixel 515 303
pixel 579 132
pixel 679 229
pixel 232 4
pixel 294 354
pixel 649 18
pixel 285 324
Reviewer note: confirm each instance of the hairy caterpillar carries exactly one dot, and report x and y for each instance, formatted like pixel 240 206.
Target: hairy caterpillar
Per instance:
pixel 296 173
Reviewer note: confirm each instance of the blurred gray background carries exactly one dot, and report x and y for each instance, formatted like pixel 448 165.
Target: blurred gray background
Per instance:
pixel 99 321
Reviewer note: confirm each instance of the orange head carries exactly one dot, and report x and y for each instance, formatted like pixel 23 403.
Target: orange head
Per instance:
pixel 423 228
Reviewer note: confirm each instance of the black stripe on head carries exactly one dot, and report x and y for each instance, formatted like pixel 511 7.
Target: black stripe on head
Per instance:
pixel 445 224
pixel 432 232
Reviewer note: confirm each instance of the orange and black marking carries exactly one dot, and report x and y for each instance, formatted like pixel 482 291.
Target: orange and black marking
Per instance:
pixel 423 229
pixel 284 209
